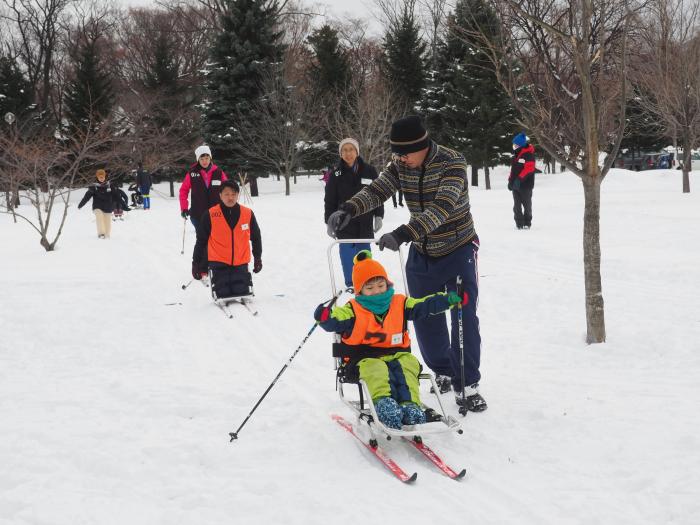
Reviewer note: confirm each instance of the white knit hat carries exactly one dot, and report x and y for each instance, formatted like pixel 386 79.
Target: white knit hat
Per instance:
pixel 202 150
pixel 349 140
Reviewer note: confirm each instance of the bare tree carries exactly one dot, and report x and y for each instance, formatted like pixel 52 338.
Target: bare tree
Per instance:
pixel 669 72
pixel 43 169
pixel 434 12
pixel 275 134
pixel 564 67
pixel 36 26
pixel 368 105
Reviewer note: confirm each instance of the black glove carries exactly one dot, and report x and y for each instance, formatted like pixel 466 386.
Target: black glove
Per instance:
pixel 185 213
pixel 322 312
pixel 510 185
pixel 337 221
pixel 389 240
pixel 257 265
pixel 196 272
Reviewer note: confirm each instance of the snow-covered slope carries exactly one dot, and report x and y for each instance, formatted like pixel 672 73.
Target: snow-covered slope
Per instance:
pixel 115 404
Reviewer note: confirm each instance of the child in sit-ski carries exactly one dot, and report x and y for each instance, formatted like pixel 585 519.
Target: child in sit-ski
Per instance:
pixel 374 323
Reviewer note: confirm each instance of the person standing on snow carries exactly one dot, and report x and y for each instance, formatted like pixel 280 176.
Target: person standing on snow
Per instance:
pixel 204 180
pixel 103 195
pixel 143 183
pixel 521 180
pixel 444 245
pixel 224 236
pixel 349 176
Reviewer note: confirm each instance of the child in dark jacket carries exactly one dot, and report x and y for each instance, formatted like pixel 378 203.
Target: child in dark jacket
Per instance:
pixel 102 194
pixel 373 324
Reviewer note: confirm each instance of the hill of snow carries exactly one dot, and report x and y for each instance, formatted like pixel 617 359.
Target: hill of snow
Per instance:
pixel 118 389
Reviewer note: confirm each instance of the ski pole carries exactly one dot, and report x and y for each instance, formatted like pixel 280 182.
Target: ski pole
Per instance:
pixel 184 286
pixel 184 228
pixel 460 292
pixel 234 435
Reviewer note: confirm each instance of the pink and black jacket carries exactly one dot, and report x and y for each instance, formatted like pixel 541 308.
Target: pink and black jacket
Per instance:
pixel 205 185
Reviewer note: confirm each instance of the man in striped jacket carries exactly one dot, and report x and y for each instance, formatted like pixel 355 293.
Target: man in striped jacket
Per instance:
pixel 444 246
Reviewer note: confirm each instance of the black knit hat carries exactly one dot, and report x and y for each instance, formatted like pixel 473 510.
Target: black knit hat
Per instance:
pixel 408 135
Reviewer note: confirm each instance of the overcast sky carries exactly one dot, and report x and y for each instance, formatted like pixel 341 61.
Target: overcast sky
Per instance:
pixel 338 9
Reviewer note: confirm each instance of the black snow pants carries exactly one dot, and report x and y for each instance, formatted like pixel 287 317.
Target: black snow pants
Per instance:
pixel 522 207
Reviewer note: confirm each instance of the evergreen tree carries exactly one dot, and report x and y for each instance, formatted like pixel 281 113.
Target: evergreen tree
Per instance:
pixel 329 76
pixel 163 71
pixel 247 44
pixel 15 89
pixel 89 97
pixel 464 99
pixel 404 58
pixel 643 132
pixel 330 71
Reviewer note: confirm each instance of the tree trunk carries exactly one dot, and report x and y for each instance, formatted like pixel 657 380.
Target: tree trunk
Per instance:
pixel 46 244
pixel 172 188
pixel 487 177
pixel 287 188
pixel 687 165
pixel 253 185
pixel 595 314
pixel 475 175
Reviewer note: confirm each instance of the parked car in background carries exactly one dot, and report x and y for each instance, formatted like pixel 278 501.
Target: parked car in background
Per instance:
pixel 641 161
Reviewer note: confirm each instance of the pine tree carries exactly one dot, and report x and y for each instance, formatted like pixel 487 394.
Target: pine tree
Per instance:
pixel 247 45
pixel 90 97
pixel 329 76
pixel 330 72
pixel 405 58
pixel 163 71
pixel 464 104
pixel 15 89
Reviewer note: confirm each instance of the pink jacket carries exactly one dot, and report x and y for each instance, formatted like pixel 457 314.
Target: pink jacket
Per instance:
pixel 187 183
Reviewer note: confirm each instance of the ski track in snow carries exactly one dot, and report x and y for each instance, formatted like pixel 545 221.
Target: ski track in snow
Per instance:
pixel 115 408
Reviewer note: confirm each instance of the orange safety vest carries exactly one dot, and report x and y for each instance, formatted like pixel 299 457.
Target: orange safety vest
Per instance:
pixel 391 333
pixel 226 245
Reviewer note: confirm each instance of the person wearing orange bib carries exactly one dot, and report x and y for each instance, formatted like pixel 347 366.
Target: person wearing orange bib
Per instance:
pixel 373 326
pixel 224 238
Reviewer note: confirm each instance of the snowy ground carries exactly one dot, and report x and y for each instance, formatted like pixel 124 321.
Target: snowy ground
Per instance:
pixel 115 407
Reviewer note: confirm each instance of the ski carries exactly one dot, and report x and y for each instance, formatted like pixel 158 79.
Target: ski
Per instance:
pixel 225 309
pixel 249 307
pixel 377 452
pixel 436 460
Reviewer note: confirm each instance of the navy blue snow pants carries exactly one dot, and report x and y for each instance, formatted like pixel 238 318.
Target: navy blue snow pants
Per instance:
pixel 428 275
pixel 347 254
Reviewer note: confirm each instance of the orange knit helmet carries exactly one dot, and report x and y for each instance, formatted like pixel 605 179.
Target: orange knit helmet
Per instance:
pixel 366 268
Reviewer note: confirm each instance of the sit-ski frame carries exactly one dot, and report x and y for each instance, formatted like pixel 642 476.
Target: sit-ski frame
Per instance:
pixel 223 302
pixel 364 407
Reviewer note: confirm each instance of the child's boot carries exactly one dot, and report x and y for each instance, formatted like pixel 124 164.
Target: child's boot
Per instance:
pixel 389 412
pixel 412 414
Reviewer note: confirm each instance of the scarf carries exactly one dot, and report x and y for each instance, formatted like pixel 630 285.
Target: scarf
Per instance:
pixel 377 304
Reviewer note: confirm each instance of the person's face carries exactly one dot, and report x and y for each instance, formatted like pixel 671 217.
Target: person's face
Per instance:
pixel 373 287
pixel 415 159
pixel 349 154
pixel 204 161
pixel 515 146
pixel 101 177
pixel 228 197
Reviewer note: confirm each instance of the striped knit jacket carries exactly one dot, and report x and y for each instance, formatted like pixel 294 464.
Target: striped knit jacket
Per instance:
pixel 437 195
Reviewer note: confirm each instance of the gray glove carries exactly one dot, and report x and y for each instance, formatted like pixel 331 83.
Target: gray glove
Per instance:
pixel 389 241
pixel 377 223
pixel 336 222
